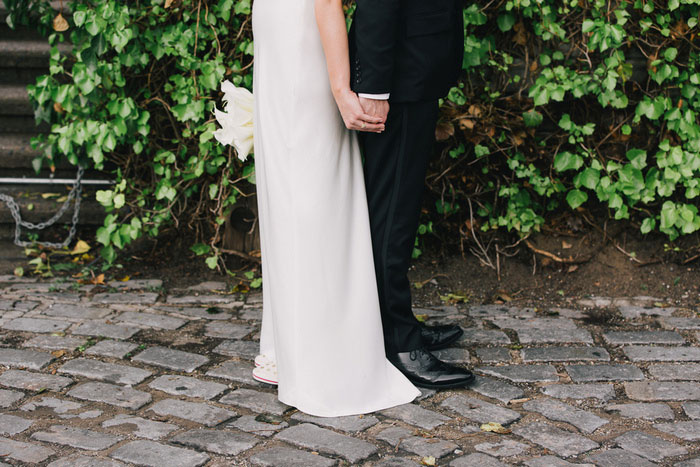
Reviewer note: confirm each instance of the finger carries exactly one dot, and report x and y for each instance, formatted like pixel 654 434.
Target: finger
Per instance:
pixel 369 127
pixel 370 118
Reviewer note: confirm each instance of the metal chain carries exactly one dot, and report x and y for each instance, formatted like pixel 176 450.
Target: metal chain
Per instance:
pixel 19 223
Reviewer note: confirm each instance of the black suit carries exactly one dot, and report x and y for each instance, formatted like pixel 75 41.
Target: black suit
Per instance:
pixel 410 48
pixel 413 50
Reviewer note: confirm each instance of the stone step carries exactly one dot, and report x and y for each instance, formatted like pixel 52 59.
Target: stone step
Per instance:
pixel 16 156
pixel 27 53
pixel 14 124
pixel 16 151
pixel 14 100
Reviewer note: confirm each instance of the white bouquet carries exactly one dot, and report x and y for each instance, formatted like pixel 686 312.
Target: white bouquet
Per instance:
pixel 236 119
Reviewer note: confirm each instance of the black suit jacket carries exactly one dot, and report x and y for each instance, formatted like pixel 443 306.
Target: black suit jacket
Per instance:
pixel 412 49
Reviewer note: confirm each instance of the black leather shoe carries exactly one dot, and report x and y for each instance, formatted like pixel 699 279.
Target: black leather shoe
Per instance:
pixel 440 337
pixel 425 370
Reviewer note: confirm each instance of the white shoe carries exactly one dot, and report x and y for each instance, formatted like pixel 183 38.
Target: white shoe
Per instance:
pixel 261 360
pixel 266 373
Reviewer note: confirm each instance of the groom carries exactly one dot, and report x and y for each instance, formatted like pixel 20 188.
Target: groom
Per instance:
pixel 405 55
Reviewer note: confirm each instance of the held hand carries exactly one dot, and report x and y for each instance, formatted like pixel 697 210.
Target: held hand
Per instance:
pixel 354 116
pixel 375 107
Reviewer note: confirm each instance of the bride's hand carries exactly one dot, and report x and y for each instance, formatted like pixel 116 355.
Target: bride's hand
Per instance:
pixel 353 114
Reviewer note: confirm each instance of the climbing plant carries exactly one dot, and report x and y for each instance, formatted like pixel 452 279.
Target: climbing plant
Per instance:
pixel 563 105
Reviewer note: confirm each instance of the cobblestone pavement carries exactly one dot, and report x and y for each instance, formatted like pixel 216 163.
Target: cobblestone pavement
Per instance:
pixel 133 374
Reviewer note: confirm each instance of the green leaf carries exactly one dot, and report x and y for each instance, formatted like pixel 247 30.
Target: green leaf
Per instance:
pixel 566 160
pixel 200 249
pixel 576 198
pixel 506 22
pixel 532 118
pixel 212 262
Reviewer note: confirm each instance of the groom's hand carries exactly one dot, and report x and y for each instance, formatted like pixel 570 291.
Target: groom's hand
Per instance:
pixel 375 107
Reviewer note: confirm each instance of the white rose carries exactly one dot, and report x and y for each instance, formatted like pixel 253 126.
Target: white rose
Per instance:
pixel 236 119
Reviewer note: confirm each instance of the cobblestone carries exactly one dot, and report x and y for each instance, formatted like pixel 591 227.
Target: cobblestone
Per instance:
pixel 505 448
pixel 401 438
pixel 602 391
pixel 473 336
pixel 144 428
pixel 217 441
pixel 31 359
pixel 239 372
pixel 85 461
pixel 110 348
pixel 416 415
pixel 198 412
pixel 240 349
pixel 152 454
pixel 257 401
pixel 130 297
pixel 11 424
pixel 77 438
pixel 119 396
pixel 250 424
pixel 692 409
pixel 67 310
pixel 671 371
pixel 559 411
pixel 564 443
pixel 522 373
pixel 565 354
pixel 8 398
pixel 480 411
pixel 59 406
pixel 680 323
pixel 349 423
pixel 224 330
pixel 555 393
pixel 618 458
pixel 31 381
pixel 187 386
pixel 496 389
pixel 24 452
pixel 319 439
pixel 150 320
pixel 554 336
pixel 643 410
pixel 171 359
pixel 689 431
pixel 482 460
pixel 662 391
pixel 35 325
pixel 662 354
pixel 589 373
pixel 493 354
pixel 100 329
pixel 49 342
pixel 643 337
pixel 280 456
pixel 651 447
pixel 109 372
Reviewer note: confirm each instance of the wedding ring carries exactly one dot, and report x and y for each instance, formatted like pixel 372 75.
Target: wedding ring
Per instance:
pixel 364 125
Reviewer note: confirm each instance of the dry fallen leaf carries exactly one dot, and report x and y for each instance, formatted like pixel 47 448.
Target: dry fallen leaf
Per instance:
pixel 81 247
pixel 58 353
pixel 428 460
pixel 168 3
pixel 494 427
pixel 566 245
pixel 59 23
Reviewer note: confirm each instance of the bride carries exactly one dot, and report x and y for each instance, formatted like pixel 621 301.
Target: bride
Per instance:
pixel 321 341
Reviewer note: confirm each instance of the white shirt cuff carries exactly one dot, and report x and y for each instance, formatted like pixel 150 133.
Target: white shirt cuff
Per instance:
pixel 379 97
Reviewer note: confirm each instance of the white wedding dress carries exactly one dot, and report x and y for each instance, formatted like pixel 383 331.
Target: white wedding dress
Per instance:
pixel 321 320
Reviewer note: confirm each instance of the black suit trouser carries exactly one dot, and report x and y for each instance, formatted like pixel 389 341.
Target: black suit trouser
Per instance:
pixel 396 162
